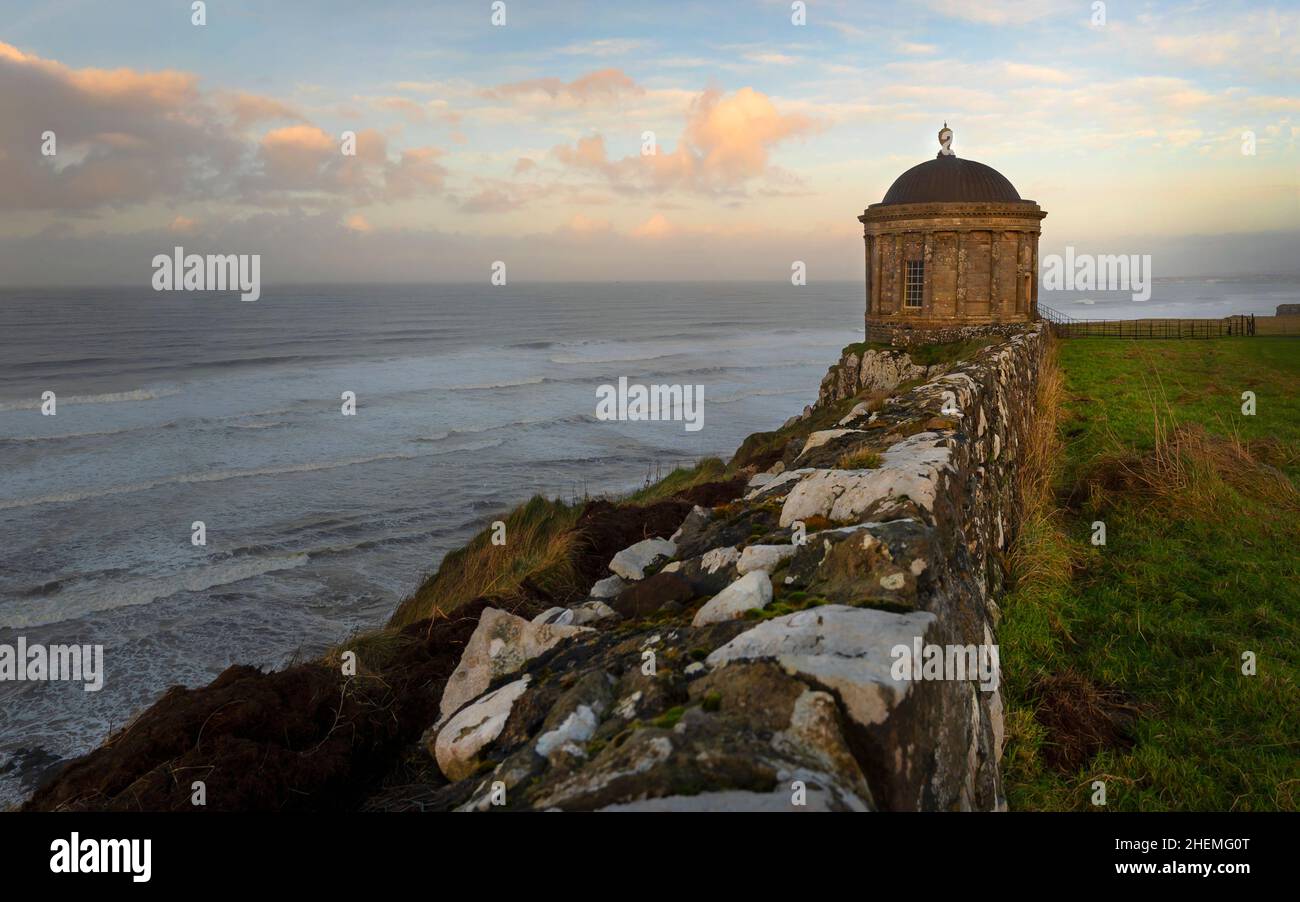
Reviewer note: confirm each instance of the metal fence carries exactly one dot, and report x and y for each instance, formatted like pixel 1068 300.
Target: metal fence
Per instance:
pixel 1246 325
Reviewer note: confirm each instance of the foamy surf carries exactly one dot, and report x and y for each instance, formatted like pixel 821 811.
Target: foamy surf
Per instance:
pixel 107 595
pixel 219 476
pixel 119 397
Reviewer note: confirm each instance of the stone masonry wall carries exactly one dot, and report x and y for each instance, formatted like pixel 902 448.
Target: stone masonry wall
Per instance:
pixel 745 661
pixel 904 334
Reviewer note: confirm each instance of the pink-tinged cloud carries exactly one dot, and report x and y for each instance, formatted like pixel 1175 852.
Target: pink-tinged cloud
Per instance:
pixel 657 226
pixel 726 142
pixel 409 109
pixel 600 86
pixel 123 138
pixel 120 136
pixel 298 161
pixel 587 225
pixel 249 109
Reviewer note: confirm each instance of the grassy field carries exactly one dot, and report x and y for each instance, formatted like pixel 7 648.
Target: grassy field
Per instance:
pixel 1124 661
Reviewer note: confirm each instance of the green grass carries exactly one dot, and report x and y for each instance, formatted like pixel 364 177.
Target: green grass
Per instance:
pixel 928 354
pixel 1200 565
pixel 710 469
pixel 951 351
pixel 538 548
pixel 860 460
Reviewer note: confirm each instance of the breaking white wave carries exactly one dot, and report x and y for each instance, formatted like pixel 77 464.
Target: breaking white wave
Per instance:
pixel 117 397
pixel 218 476
pixel 106 595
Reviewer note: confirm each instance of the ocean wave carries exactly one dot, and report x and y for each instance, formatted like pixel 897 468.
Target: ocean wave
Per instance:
pixel 120 397
pixel 515 424
pixel 759 393
pixel 67 436
pixel 480 386
pixel 218 476
pixel 101 595
pixel 617 358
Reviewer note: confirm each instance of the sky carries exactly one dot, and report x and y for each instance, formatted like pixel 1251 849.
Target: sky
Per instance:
pixel 525 142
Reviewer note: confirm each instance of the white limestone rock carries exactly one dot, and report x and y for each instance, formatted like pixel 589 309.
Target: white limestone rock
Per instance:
pixel 911 468
pixel 750 592
pixel 607 587
pixel 817 439
pixel 592 612
pixel 473 728
pixel 782 482
pixel 500 645
pixel 631 562
pixel 763 557
pixel 714 560
pixel 571 735
pixel 556 616
pixel 840 647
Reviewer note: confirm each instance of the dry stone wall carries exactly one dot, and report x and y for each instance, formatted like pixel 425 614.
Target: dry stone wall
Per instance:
pixel 750 660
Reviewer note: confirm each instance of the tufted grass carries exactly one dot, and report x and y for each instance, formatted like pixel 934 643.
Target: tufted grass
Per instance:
pixel 709 469
pixel 1123 662
pixel 539 551
pixel 860 460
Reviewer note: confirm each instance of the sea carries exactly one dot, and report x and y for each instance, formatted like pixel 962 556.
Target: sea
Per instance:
pixel 177 409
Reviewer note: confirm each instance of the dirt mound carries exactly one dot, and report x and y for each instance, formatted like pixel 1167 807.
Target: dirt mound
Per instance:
pixel 1081 719
pixel 712 494
pixel 303 738
pixel 606 528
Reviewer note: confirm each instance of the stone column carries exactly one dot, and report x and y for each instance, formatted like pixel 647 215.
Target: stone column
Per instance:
pixel 1021 295
pixel 927 277
pixel 877 274
pixel 995 300
pixel 897 299
pixel 959 302
pixel 866 247
pixel 1033 276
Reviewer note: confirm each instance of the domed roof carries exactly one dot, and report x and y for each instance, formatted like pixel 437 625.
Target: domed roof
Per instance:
pixel 949 178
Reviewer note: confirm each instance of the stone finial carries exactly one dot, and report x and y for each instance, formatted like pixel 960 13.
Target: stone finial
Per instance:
pixel 945 141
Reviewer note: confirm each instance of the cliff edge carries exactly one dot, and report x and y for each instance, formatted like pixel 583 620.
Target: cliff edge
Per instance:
pixel 742 639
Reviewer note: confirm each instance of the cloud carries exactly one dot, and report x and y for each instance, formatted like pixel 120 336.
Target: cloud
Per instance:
pixel 249 109
pixel 126 138
pixel 585 225
pixel 1005 12
pixel 726 142
pixel 299 163
pixel 657 226
pixel 490 200
pixel 600 86
pixel 603 47
pixel 121 136
pixel 409 109
pixel 1036 74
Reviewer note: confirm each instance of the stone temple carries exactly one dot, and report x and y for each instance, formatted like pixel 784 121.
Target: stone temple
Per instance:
pixel 951 252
